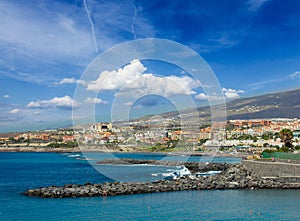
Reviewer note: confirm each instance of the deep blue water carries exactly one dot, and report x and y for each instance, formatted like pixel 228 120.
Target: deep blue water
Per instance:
pixel 20 171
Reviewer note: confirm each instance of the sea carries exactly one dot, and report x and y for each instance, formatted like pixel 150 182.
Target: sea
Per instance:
pixel 22 171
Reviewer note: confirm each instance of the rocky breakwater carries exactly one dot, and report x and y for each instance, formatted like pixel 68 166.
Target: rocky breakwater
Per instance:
pixel 235 176
pixel 192 166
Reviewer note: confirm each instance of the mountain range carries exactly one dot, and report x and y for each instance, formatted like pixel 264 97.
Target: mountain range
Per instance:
pixel 274 105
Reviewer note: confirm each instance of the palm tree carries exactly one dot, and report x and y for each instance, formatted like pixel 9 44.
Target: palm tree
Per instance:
pixel 286 135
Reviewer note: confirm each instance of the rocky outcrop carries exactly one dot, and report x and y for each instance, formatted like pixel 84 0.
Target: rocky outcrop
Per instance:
pixel 235 176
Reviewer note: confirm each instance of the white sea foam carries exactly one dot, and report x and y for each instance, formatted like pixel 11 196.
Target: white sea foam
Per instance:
pixel 208 173
pixel 175 173
pixel 74 155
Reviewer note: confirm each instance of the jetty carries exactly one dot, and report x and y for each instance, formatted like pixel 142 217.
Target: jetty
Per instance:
pixel 232 176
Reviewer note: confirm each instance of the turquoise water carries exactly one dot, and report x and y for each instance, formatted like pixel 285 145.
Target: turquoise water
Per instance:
pixel 20 171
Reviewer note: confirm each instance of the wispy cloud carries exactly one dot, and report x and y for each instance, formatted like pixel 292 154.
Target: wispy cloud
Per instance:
pixel 120 21
pixel 15 111
pixel 260 84
pixel 133 20
pixel 92 26
pixel 36 113
pixel 37 78
pixel 220 41
pixel 294 75
pixel 43 31
pixel 38 40
pixel 254 5
pixel 41 39
pixel 6 96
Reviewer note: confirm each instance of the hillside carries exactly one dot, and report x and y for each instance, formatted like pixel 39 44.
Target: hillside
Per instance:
pixel 275 105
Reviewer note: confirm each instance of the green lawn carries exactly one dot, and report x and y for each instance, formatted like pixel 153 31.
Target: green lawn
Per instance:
pixel 281 155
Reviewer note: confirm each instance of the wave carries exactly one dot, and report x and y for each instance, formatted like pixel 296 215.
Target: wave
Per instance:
pixel 74 155
pixel 131 165
pixel 181 171
pixel 208 173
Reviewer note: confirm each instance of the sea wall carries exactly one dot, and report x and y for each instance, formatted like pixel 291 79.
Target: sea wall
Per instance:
pixel 272 169
pixel 235 176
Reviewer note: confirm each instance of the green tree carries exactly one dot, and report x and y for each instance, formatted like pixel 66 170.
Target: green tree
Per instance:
pixel 267 135
pixel 202 141
pixel 265 145
pixel 276 135
pixel 172 143
pixel 286 135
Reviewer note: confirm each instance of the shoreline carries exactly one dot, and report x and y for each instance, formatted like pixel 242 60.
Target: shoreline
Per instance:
pixel 38 150
pixel 77 150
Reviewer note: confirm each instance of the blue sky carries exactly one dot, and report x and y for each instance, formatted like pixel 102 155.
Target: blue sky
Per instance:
pixel 45 45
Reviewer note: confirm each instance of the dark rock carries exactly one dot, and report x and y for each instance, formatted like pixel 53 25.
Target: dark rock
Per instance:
pixel 234 176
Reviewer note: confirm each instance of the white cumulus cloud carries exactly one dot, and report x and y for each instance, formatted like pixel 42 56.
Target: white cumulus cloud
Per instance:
pixel 95 100
pixel 72 81
pixel 65 102
pixel 133 79
pixel 232 93
pixel 227 93
pixel 118 78
pixel 203 96
pixel 129 103
pixel 15 111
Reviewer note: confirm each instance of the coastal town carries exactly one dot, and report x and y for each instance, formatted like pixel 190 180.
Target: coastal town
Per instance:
pixel 160 134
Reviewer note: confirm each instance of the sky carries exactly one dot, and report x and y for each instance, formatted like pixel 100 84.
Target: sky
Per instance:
pixel 252 46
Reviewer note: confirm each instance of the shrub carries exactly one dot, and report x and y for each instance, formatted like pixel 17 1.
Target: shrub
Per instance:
pixel 269 151
pixel 283 149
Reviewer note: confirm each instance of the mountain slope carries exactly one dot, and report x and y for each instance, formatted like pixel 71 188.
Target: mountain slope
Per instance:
pixel 275 105
pixel 282 104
